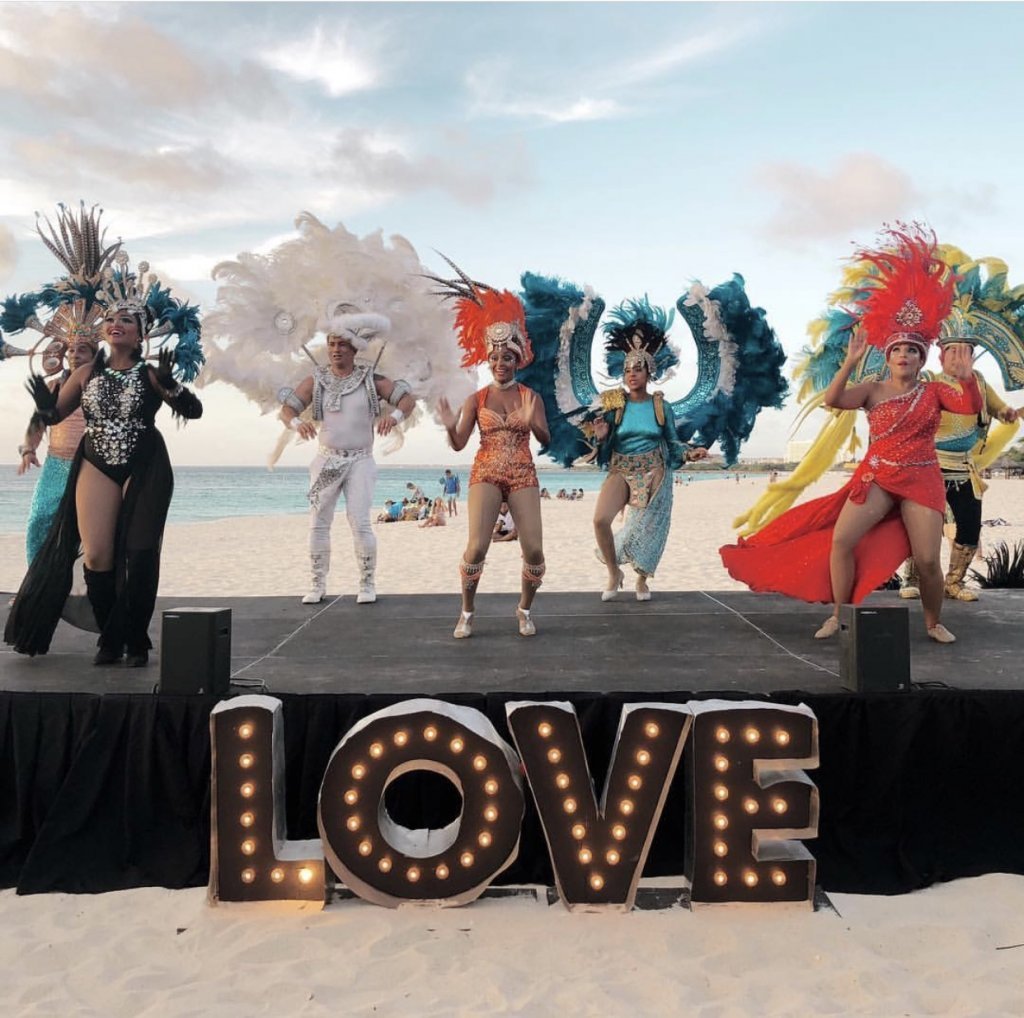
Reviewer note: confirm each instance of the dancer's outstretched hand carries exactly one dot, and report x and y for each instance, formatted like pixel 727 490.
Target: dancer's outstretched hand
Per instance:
pixel 856 347
pixel 958 360
pixel 165 370
pixel 448 416
pixel 42 395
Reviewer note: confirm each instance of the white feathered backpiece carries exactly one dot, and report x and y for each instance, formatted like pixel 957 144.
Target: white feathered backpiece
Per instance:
pixel 270 306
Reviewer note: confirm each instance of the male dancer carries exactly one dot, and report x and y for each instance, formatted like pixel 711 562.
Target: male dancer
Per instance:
pixel 346 399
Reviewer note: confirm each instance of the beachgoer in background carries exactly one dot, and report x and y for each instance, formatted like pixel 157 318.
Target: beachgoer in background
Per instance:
pixel 544 493
pixel 415 491
pixel 437 517
pixel 504 525
pixel 451 486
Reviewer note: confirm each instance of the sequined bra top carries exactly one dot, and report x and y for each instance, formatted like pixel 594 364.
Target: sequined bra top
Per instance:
pixel 501 440
pixel 119 407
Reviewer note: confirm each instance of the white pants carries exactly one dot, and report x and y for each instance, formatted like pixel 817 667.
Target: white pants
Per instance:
pixel 355 478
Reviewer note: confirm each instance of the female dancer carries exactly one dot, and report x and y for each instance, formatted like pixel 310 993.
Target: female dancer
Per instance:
pixel 118 491
pixel 492 326
pixel 639 445
pixel 895 499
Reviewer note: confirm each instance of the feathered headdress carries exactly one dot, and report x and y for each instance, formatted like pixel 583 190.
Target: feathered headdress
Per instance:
pixel 636 333
pixel 485 318
pixel 911 294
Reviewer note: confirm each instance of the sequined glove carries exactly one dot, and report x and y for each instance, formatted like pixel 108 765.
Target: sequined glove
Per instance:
pixel 43 397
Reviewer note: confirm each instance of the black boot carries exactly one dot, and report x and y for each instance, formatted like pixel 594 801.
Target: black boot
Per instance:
pixel 102 592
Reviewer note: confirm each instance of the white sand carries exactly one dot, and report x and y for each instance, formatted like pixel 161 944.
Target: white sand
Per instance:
pixel 266 555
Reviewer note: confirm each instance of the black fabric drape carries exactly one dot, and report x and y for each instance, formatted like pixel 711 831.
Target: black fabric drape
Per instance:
pixel 102 793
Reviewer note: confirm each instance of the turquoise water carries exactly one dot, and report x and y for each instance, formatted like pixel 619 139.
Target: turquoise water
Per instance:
pixel 214 493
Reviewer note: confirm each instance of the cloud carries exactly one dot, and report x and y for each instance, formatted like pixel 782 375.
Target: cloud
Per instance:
pixel 663 61
pixel 332 60
pixel 491 96
pixel 377 165
pixel 861 191
pixel 8 252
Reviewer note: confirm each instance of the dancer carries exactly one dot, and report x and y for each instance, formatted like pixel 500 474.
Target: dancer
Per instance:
pixel 895 498
pixel 958 442
pixel 120 484
pixel 346 400
pixel 78 337
pixel 638 445
pixel 492 327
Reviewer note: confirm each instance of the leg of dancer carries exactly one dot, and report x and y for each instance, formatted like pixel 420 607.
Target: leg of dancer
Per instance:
pixel 611 500
pixel 525 507
pixel 482 507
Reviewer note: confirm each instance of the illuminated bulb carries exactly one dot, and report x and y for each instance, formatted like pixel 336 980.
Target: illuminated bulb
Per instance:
pixel 376 750
pixel 782 738
pixel 626 806
pixel 721 793
pixel 359 771
pixel 441 872
pixel 554 755
pixel 247 819
pixel 485 839
pixel 750 805
pixel 562 780
pixel 722 734
pixel 780 805
pixel 597 881
pixel 365 847
pixel 479 763
pixel 618 832
pixel 721 763
pixel 466 859
pixel 651 730
pixel 721 849
pixel 277 874
pixel 401 738
pixel 490 814
pixel 456 745
pixel 544 730
pixel 579 832
pixel 752 735
pixel 248 876
pixel 351 797
pixel 491 786
pixel 430 733
pixel 720 878
pixel 569 805
pixel 384 864
pixel 643 757
pixel 248 790
pixel 248 846
pixel 585 855
pixel 352 823
pixel 750 878
pixel 721 821
pixel 778 878
pixel 612 856
pixel 245 730
pixel 305 874
pixel 412 874
pixel 246 760
pixel 634 781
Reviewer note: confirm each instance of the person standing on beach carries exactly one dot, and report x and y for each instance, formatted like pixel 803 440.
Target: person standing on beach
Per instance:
pixel 492 328
pixel 451 487
pixel 346 400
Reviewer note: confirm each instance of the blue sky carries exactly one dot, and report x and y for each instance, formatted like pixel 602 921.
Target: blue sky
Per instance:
pixel 632 147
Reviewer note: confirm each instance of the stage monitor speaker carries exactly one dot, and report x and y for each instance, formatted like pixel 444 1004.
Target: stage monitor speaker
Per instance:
pixel 195 651
pixel 874 649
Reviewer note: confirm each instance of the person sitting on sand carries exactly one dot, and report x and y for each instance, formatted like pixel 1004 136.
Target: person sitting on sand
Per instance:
pixel 504 525
pixel 437 517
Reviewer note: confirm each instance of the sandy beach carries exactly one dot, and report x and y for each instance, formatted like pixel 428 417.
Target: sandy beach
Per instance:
pixel 953 949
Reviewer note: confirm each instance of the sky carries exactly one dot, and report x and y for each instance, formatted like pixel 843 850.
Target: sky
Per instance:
pixel 632 147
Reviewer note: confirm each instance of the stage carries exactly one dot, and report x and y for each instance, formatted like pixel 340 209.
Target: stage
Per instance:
pixel 106 786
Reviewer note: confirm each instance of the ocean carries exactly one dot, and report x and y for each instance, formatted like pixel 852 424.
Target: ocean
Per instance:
pixel 215 493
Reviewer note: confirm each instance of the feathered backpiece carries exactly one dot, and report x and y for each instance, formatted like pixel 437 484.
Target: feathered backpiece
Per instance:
pixel 273 310
pixel 910 293
pixel 485 318
pixel 637 333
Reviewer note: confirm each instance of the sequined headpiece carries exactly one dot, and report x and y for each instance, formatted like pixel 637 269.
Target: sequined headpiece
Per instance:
pixel 636 334
pixel 910 293
pixel 485 319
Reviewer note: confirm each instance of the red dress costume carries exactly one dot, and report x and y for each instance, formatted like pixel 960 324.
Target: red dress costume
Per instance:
pixel 503 458
pixel 791 554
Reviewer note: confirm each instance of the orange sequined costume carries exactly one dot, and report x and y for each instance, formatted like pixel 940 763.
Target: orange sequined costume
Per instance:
pixel 503 458
pixel 791 555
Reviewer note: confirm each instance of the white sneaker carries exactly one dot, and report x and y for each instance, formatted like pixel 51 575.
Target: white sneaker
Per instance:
pixel 910 593
pixel 366 596
pixel 464 627
pixel 828 629
pixel 315 596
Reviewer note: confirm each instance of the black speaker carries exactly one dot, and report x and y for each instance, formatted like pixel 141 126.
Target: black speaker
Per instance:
pixel 874 649
pixel 195 650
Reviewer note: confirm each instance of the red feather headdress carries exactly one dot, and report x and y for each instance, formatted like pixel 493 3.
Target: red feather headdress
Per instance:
pixel 912 294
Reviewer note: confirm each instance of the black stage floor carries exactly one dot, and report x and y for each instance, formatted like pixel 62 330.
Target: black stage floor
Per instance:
pixel 697 641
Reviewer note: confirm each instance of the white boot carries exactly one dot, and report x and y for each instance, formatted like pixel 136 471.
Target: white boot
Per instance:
pixel 367 570
pixel 319 565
